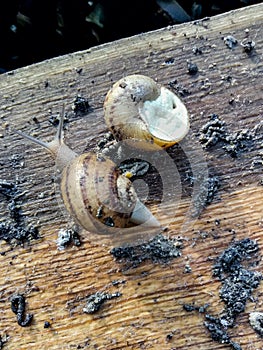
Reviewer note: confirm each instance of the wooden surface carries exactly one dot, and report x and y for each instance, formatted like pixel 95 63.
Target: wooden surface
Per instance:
pixel 229 83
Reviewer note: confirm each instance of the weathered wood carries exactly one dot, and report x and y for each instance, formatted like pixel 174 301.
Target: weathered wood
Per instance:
pixel 228 83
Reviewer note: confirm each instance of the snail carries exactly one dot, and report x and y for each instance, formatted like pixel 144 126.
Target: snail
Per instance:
pixel 136 108
pixel 94 191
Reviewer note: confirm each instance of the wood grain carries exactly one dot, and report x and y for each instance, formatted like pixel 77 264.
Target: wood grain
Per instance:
pixel 228 83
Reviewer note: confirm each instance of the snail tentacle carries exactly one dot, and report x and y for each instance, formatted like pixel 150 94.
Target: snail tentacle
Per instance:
pixel 57 147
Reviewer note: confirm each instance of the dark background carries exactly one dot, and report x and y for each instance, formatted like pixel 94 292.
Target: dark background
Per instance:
pixel 33 30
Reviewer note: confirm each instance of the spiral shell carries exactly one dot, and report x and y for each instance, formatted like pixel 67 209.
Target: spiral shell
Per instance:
pixel 137 108
pixel 93 188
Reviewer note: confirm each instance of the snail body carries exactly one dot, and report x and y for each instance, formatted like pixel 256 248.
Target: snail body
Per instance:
pixel 94 191
pixel 137 108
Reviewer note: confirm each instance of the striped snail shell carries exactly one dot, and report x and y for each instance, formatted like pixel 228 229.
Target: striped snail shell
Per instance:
pixel 137 108
pixel 94 191
pixel 91 184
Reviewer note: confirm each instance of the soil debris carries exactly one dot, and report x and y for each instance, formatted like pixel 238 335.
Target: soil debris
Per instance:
pixel 169 60
pixel 55 118
pixel 248 45
pixel 230 260
pixel 15 234
pixel 230 41
pixel 238 284
pixel 96 300
pixel 14 229
pixel 81 105
pixel 192 307
pixel 178 88
pixel 192 68
pixel 47 324
pixel 197 50
pixel 236 290
pixel 208 191
pixel 3 341
pixel 18 306
pixel 16 161
pixel 106 140
pixel 8 189
pixel 256 322
pixel 213 184
pixel 218 332
pixel 67 237
pixel 238 142
pixel 159 249
pixel 214 131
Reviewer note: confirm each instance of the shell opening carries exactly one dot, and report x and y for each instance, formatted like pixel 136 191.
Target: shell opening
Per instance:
pixel 166 117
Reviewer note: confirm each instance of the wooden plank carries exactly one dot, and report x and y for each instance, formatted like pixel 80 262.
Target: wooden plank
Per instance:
pixel 56 283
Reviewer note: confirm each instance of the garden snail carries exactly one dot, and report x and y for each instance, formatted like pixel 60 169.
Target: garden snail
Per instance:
pixel 93 190
pixel 137 108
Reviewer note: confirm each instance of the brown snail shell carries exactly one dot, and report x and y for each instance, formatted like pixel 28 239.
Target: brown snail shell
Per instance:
pixel 92 185
pixel 137 108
